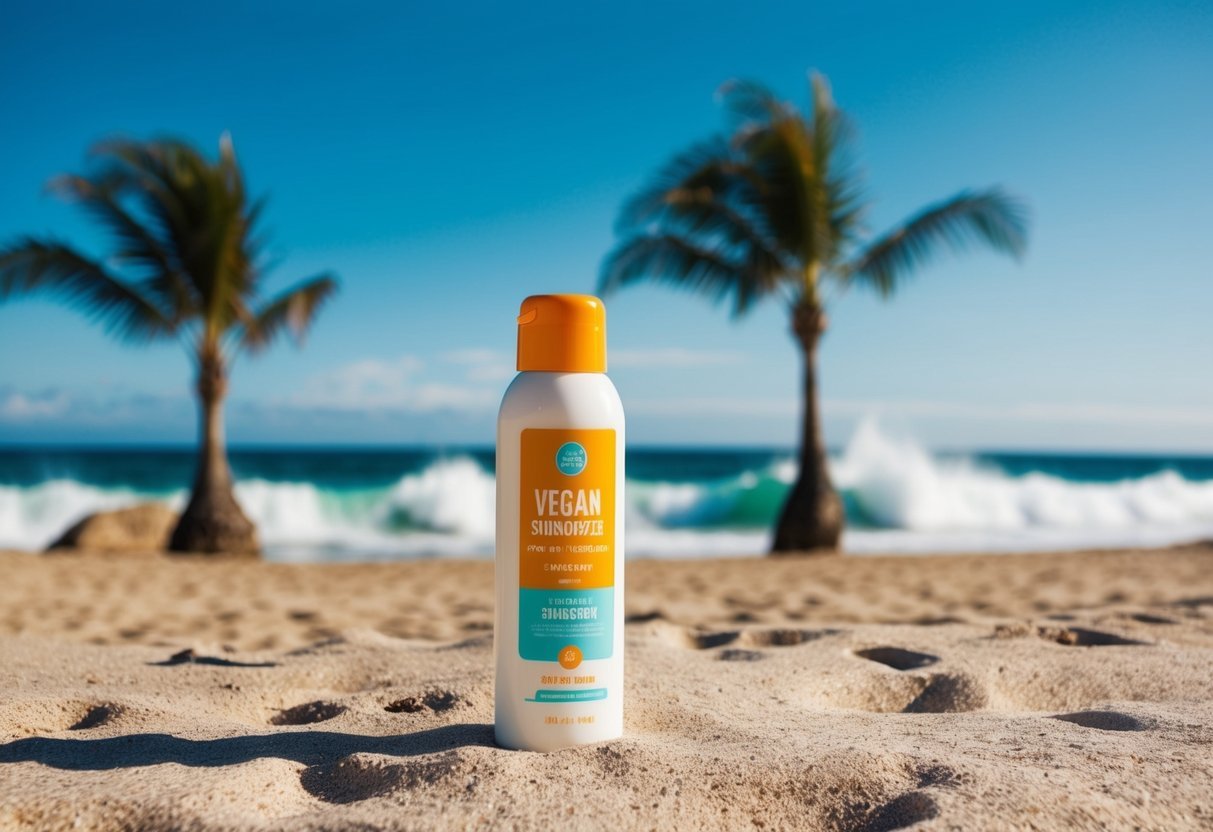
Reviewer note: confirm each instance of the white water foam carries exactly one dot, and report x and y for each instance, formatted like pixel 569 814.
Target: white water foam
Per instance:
pixel 916 502
pixel 32 517
pixel 927 504
pixel 445 509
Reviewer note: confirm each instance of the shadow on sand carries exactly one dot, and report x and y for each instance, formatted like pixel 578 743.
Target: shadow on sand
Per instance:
pixel 307 747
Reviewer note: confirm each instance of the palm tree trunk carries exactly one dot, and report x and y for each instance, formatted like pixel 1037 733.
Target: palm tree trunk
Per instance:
pixel 213 521
pixel 812 517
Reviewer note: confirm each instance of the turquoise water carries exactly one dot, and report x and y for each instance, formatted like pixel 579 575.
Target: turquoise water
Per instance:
pixel 341 503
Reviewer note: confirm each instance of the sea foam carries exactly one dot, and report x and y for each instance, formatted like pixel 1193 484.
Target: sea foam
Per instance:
pixel 899 498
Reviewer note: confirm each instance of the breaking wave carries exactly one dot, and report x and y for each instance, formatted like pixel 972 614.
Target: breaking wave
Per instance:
pixel 899 498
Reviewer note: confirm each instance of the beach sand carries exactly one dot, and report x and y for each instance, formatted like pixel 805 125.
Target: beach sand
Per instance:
pixel 866 693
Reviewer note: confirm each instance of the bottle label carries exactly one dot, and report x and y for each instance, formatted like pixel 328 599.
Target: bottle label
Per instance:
pixel 566 605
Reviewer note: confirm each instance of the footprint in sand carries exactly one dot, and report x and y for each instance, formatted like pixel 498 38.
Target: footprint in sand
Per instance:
pixel 437 701
pixel 948 693
pixel 95 717
pixel 1104 721
pixel 782 637
pixel 708 639
pixel 696 640
pixel 1080 637
pixel 737 654
pixel 902 811
pixel 361 777
pixel 308 713
pixel 897 657
pixel 1066 636
pixel 36 717
pixel 930 693
pixel 189 656
pixel 938 775
pixel 869 807
pixel 1149 618
pixel 744 640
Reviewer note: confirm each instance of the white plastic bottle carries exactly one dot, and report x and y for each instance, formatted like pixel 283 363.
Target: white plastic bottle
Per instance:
pixel 558 640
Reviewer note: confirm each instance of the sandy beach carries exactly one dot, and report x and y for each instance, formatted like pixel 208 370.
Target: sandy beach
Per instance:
pixel 957 692
pixel 644 417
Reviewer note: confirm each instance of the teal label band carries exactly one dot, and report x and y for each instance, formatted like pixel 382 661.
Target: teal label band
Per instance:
pixel 591 695
pixel 550 620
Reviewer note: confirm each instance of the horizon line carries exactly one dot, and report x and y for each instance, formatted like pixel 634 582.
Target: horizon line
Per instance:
pixel 367 447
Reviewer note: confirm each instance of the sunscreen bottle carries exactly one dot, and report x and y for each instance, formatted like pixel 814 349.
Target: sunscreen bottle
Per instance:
pixel 558 637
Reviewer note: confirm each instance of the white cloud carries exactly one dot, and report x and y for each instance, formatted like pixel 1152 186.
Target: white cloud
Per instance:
pixel 437 396
pixel 470 382
pixel 397 384
pixel 91 408
pixel 16 406
pixel 482 364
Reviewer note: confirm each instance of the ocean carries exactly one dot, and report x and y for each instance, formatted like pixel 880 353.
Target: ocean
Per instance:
pixel 317 504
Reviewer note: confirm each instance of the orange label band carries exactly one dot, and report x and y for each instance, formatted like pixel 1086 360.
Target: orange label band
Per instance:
pixel 566 545
pixel 567 529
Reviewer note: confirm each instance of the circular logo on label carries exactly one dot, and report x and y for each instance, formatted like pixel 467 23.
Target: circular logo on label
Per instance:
pixel 571 459
pixel 570 657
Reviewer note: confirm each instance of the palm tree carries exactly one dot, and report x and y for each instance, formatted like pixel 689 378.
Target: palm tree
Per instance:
pixel 187 261
pixel 777 210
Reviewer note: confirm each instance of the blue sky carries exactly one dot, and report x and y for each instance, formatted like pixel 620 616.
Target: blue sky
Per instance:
pixel 447 160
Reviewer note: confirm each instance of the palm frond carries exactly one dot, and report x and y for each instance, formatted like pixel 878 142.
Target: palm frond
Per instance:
pixel 144 171
pixel 749 101
pixel 846 210
pixel 831 130
pixel 31 265
pixel 991 218
pixel 670 259
pixel 161 276
pixel 710 164
pixel 839 201
pixel 705 195
pixel 186 252
pixel 780 156
pixel 203 211
pixel 779 206
pixel 292 310
pixel 704 217
pixel 708 197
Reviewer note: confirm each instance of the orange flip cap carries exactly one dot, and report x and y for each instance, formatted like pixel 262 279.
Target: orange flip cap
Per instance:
pixel 562 334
